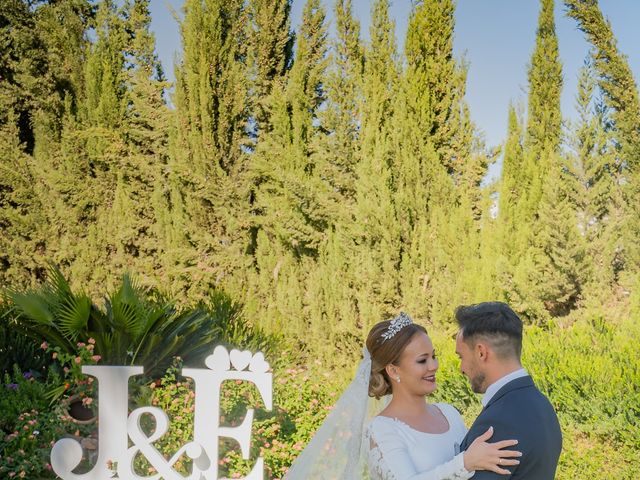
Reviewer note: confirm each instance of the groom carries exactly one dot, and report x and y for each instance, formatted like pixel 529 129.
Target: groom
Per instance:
pixel 489 344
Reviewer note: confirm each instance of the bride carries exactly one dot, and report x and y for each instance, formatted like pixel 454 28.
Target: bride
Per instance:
pixel 410 439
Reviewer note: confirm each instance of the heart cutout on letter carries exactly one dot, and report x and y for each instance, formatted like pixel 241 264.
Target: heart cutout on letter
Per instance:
pixel 219 360
pixel 258 364
pixel 239 359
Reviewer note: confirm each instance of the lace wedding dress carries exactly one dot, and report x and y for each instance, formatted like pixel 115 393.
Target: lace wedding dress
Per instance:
pixel 398 452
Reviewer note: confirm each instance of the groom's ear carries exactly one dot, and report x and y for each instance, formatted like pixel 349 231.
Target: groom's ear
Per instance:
pixel 481 351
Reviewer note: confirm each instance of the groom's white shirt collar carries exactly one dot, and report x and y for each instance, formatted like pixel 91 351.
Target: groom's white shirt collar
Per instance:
pixel 497 385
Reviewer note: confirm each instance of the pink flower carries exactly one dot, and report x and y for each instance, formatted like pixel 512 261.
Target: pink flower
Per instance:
pixel 91 341
pixel 44 346
pixel 77 360
pixel 87 401
pixel 96 358
pixel 81 344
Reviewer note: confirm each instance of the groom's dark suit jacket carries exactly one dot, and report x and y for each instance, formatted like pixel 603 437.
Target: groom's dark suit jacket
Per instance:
pixel 519 411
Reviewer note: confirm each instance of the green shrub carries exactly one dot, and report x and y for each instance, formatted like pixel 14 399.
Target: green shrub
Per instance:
pixel 591 373
pixel 21 392
pixel 25 451
pixel 278 435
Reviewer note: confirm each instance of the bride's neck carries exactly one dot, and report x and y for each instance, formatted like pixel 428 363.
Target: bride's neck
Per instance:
pixel 410 405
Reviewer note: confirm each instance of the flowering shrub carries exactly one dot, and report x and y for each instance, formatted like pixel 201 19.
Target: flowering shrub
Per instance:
pixel 20 392
pixel 24 452
pixel 300 405
pixel 67 371
pixel 279 435
pixel 175 396
pixel 29 424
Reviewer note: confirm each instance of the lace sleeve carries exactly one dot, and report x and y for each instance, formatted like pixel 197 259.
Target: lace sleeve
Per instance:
pixel 388 459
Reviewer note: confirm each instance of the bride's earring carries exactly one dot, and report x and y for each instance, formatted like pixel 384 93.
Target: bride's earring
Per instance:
pixel 398 379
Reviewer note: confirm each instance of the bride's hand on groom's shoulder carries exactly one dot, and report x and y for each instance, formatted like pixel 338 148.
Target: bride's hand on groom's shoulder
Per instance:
pixel 482 455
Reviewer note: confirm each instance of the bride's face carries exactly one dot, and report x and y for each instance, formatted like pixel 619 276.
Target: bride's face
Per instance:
pixel 417 366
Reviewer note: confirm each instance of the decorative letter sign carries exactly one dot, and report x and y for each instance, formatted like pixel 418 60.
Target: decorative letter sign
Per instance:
pixel 116 429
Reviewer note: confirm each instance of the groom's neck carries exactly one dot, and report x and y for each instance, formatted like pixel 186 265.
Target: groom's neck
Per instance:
pixel 501 369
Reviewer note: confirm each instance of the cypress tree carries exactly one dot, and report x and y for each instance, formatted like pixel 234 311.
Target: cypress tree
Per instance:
pixel 437 175
pixel 559 248
pixel 375 230
pixel 35 80
pixel 105 81
pixel 513 181
pixel 598 196
pixel 63 25
pixel 136 217
pixel 620 89
pixel 271 53
pixel 98 133
pixel 25 77
pixel 422 110
pixel 290 222
pixel 614 75
pixel 24 235
pixel 209 184
pixel 335 159
pixel 288 194
pixel 544 118
pixel 513 186
pixel 337 152
pixel 542 170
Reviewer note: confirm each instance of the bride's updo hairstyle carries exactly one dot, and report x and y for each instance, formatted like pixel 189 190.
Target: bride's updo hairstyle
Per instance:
pixel 386 342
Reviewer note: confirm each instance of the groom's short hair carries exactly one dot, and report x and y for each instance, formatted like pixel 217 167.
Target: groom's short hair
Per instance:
pixel 494 322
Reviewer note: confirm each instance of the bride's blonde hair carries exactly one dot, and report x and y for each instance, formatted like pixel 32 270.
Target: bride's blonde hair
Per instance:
pixel 385 350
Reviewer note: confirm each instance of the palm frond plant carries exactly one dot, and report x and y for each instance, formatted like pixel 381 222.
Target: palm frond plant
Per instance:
pixel 17 349
pixel 52 312
pixel 136 326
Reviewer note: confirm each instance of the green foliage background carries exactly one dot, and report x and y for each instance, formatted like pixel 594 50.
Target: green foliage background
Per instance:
pixel 327 186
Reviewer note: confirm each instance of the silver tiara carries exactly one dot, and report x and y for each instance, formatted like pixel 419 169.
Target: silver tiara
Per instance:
pixel 396 325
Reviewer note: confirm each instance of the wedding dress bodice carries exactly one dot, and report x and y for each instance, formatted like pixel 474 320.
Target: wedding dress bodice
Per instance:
pixel 398 452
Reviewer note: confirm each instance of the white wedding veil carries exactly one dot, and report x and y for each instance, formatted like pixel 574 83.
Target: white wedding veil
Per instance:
pixel 337 451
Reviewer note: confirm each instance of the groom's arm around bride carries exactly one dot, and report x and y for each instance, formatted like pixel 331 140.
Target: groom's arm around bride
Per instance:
pixel 489 344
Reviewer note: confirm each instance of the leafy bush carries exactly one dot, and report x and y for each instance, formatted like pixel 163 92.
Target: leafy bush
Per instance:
pixel 24 453
pixel 279 435
pixel 20 393
pixel 591 373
